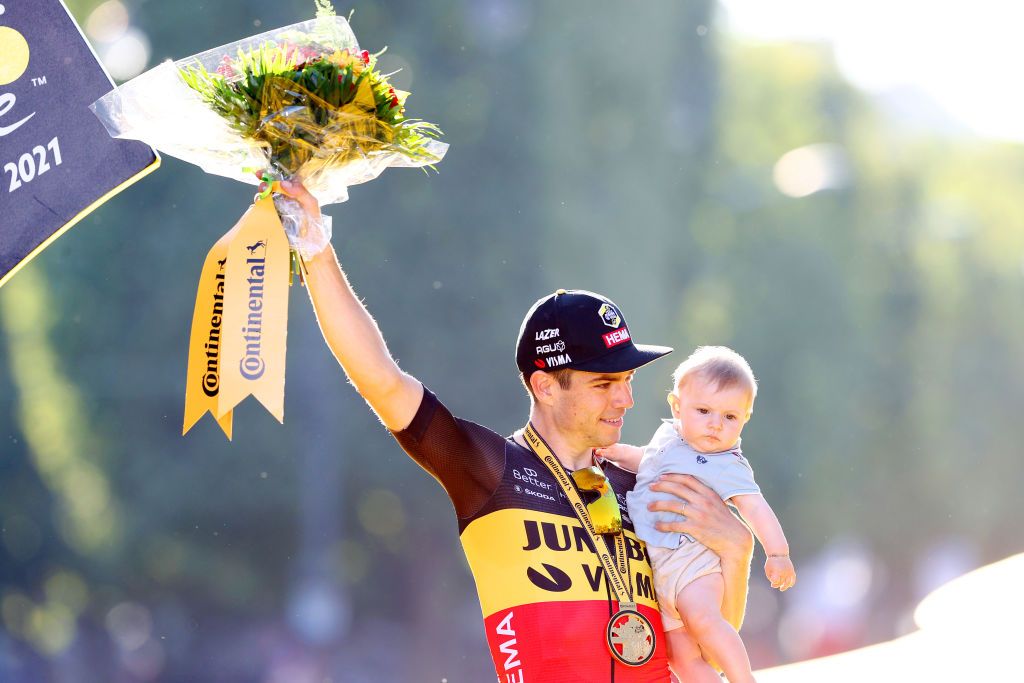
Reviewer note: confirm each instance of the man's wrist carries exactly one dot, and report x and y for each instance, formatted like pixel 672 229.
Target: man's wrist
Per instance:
pixel 324 257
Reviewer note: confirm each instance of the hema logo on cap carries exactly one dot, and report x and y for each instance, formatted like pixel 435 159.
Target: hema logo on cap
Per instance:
pixel 615 338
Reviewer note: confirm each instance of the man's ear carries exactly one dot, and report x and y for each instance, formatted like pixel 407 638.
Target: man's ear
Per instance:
pixel 543 387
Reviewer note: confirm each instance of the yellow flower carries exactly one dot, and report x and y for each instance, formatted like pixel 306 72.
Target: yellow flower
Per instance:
pixel 343 58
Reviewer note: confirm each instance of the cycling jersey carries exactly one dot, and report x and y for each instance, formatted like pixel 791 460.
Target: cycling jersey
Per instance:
pixel 542 589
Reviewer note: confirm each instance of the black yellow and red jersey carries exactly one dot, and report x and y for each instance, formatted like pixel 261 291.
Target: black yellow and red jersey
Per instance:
pixel 542 589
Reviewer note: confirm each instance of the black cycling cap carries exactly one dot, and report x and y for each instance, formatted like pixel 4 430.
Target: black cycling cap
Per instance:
pixel 579 330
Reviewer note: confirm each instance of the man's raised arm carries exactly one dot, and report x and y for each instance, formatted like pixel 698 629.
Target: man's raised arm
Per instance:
pixel 353 335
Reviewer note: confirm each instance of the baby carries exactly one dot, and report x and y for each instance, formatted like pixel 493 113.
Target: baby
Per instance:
pixel 712 398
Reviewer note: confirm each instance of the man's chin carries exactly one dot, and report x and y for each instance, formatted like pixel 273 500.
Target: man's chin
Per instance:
pixel 609 435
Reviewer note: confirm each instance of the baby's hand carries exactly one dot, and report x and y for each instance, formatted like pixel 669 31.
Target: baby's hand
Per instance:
pixel 780 572
pixel 625 456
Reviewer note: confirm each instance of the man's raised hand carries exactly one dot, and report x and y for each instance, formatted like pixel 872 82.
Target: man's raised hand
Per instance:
pixel 308 230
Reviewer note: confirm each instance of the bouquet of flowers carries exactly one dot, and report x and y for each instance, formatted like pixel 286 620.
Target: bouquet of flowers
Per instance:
pixel 302 102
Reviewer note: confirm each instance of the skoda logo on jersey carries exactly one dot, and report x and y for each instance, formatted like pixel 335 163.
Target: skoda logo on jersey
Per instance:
pixel 609 316
pixel 702 460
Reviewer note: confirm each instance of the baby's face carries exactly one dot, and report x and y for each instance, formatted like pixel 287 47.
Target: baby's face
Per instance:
pixel 710 418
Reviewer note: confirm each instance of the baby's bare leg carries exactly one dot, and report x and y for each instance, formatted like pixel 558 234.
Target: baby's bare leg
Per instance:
pixel 700 606
pixel 686 660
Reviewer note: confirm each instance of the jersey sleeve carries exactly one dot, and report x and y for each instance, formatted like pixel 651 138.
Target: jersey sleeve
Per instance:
pixel 736 480
pixel 467 459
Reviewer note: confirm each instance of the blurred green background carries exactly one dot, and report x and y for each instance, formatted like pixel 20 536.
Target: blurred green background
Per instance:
pixel 723 189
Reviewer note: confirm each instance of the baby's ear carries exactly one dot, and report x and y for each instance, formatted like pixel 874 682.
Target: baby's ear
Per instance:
pixel 673 403
pixel 750 411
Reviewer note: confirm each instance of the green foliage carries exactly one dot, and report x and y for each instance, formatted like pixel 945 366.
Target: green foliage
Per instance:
pixel 324 8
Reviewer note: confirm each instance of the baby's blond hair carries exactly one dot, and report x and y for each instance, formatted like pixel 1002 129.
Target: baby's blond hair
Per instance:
pixel 718 364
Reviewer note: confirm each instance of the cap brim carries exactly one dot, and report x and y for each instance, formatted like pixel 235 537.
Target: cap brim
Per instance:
pixel 628 358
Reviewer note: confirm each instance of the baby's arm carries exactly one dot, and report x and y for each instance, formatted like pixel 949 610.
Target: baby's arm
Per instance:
pixel 625 456
pixel 761 518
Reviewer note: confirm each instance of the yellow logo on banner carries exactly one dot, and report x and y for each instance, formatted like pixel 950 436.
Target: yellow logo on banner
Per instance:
pixel 13 55
pixel 240 322
pixel 520 557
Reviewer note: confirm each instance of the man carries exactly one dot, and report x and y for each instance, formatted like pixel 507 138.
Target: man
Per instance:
pixel 560 603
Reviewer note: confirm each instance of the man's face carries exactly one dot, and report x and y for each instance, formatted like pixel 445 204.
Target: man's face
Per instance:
pixel 590 411
pixel 710 418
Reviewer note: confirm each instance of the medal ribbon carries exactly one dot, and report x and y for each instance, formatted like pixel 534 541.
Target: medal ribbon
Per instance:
pixel 615 568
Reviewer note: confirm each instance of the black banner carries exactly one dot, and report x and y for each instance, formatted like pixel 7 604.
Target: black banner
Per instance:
pixel 57 162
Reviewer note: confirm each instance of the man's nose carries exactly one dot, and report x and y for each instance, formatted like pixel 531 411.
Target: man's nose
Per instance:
pixel 624 397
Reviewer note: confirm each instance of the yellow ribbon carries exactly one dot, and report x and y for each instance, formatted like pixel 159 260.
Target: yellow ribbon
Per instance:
pixel 202 381
pixel 249 268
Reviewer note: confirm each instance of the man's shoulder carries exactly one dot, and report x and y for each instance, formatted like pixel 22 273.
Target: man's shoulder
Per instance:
pixel 431 405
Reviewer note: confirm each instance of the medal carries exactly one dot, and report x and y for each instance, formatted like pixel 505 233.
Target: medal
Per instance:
pixel 630 636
